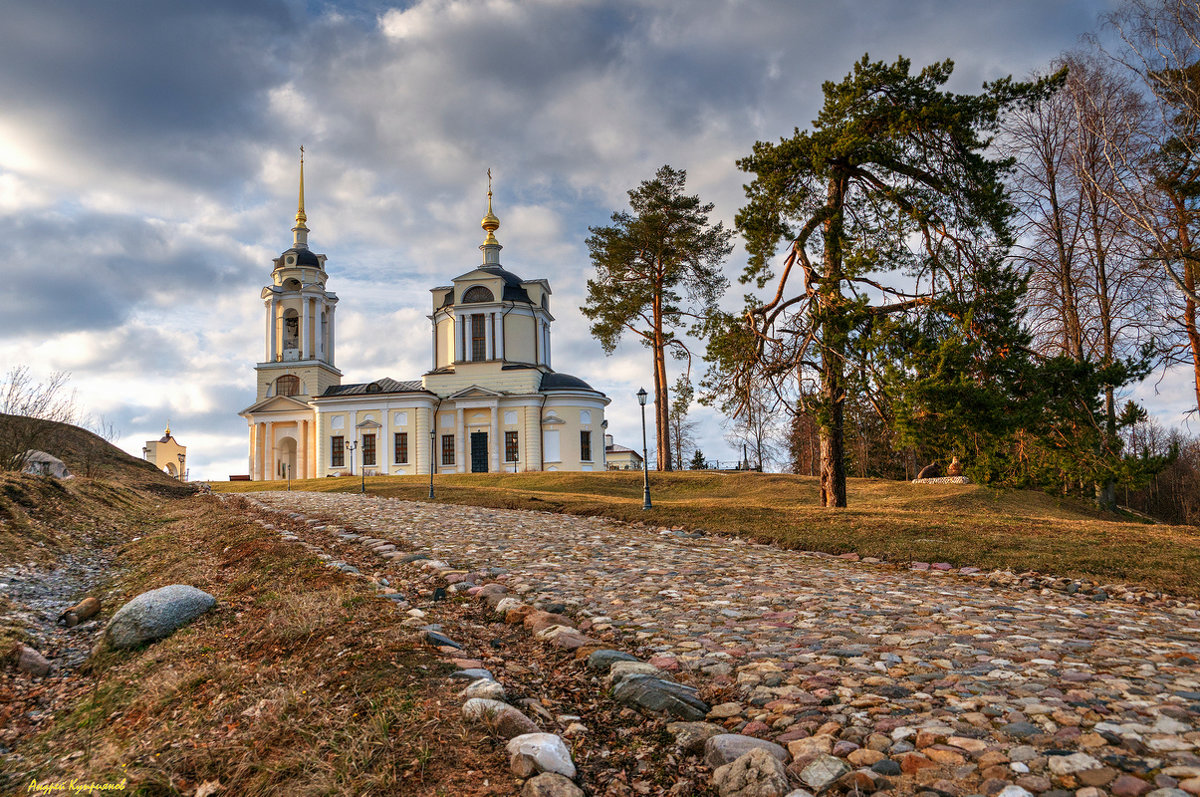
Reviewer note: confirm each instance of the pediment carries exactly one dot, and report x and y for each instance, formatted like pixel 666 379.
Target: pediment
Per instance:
pixel 369 424
pixel 477 275
pixel 277 404
pixel 475 391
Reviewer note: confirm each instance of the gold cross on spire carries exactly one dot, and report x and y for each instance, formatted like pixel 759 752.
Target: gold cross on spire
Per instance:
pixel 301 217
pixel 490 222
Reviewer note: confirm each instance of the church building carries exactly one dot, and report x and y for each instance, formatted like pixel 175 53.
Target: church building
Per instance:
pixel 490 401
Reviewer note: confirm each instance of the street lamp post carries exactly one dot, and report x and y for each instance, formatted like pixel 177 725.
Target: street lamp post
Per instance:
pixel 350 446
pixel 641 397
pixel 287 469
pixel 182 457
pixel 432 440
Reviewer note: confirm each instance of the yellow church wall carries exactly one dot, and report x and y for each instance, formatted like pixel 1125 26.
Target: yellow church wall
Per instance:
pixel 445 341
pixel 491 374
pixel 570 410
pixel 518 338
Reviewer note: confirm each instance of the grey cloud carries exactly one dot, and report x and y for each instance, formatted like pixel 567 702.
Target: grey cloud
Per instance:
pixel 90 271
pixel 172 88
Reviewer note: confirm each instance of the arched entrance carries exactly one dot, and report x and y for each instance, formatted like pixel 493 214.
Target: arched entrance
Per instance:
pixel 285 458
pixel 171 470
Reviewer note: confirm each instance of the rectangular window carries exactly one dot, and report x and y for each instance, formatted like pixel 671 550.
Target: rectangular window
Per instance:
pixel 512 452
pixel 337 451
pixel 478 338
pixel 585 446
pixel 401 448
pixel 447 449
pixel 368 446
pixel 550 446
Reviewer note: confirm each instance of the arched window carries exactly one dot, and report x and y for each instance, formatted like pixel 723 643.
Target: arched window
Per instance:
pixel 291 329
pixel 477 294
pixel 287 386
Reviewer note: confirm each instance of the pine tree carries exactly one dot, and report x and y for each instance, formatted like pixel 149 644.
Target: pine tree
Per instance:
pixel 889 203
pixel 644 261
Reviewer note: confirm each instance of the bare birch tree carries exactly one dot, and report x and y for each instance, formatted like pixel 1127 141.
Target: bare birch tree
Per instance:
pixel 31 413
pixel 1154 154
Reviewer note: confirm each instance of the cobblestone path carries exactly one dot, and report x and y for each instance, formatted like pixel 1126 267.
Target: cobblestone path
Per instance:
pixel 870 656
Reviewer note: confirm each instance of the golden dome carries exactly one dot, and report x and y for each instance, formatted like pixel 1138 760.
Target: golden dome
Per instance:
pixel 490 222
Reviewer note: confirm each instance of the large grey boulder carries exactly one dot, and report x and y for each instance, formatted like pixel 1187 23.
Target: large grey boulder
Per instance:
pixel 550 784
pixel 531 753
pixel 156 614
pixel 755 774
pixel 604 659
pixel 39 463
pixel 691 736
pixel 647 693
pixel 31 662
pixel 725 748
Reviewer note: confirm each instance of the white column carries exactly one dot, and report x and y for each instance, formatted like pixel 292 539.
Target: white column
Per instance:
pixel 460 441
pixel 385 447
pixel 320 460
pixel 318 330
pixel 462 334
pixel 434 352
pixel 302 450
pixel 489 345
pixel 332 349
pixel 256 456
pixel 494 441
pixel 269 451
pixel 303 327
pixel 274 330
pixel 267 332
pixel 500 334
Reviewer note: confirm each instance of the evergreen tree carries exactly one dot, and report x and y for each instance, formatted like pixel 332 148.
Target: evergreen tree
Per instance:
pixel 698 461
pixel 890 204
pixel 647 262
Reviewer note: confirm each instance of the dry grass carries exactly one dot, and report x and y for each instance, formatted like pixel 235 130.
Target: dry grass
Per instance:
pixel 299 683
pixel 897 521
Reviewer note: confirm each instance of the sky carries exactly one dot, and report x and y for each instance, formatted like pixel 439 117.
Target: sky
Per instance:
pixel 149 157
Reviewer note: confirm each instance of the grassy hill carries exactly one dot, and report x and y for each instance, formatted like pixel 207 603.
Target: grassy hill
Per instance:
pixel 347 709
pixel 896 521
pixel 41 518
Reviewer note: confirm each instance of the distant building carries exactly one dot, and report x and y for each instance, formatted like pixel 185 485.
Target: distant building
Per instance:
pixel 167 455
pixel 490 401
pixel 620 457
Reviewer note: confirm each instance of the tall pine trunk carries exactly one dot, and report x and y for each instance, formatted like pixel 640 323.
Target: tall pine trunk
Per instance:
pixel 833 350
pixel 661 397
pixel 832 425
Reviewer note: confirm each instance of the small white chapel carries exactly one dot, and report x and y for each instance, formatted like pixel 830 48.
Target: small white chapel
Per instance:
pixel 490 401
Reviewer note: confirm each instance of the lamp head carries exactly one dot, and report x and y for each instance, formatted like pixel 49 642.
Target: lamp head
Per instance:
pixel 641 394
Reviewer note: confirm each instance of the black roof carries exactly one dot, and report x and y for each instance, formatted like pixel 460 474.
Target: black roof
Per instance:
pixel 385 385
pixel 565 382
pixel 513 292
pixel 304 257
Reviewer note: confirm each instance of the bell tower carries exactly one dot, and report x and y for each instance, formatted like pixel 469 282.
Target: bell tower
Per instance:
pixel 298 355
